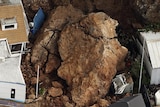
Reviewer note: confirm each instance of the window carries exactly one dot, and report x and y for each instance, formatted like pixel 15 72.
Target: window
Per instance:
pixel 9 26
pixel 13 93
pixel 9 23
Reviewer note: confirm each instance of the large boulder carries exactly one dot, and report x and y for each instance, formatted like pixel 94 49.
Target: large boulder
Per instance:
pixel 83 48
pixel 90 54
pixel 45 51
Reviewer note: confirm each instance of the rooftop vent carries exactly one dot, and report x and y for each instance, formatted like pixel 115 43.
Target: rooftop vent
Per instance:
pixel 8 24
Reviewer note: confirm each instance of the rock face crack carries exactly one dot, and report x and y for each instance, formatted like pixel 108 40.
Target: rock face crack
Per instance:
pixel 83 52
pixel 88 64
pixel 49 36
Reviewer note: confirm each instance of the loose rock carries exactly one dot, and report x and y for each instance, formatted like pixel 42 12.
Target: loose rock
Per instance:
pixel 91 55
pixel 31 96
pixel 33 80
pixel 55 92
pixel 103 103
pixel 56 84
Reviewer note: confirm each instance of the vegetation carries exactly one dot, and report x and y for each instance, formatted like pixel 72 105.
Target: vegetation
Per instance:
pixel 155 27
pixel 135 72
pixel 42 91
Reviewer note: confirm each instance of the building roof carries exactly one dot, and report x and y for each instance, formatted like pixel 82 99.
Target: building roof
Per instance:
pixel 10 65
pixel 9 9
pixel 4 49
pixel 153 45
pixel 10 70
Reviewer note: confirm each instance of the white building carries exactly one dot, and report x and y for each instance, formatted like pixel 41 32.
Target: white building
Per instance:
pixel 13 24
pixel 151 54
pixel 14 32
pixel 12 84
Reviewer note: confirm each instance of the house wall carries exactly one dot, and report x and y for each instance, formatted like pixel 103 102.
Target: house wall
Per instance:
pixel 154 72
pixel 25 19
pixel 152 54
pixel 153 45
pixel 15 1
pixel 20 91
pixel 155 76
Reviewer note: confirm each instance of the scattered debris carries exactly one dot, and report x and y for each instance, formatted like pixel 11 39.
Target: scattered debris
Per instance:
pixel 122 85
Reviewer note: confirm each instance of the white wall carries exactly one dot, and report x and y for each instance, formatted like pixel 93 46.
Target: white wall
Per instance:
pixel 155 76
pixel 20 91
pixel 154 72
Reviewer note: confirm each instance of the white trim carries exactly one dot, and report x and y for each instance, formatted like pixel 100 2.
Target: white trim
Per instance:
pixel 21 50
pixel 8 48
pixel 9 23
pixel 25 19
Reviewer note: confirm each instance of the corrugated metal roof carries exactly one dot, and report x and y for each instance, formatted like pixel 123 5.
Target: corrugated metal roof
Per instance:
pixel 153 45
